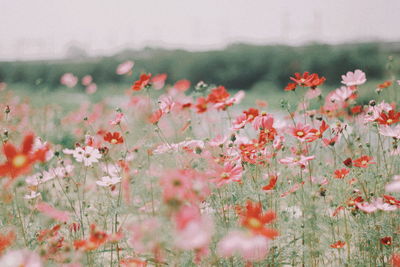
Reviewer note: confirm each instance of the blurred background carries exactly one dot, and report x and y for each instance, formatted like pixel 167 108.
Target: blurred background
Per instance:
pixel 253 45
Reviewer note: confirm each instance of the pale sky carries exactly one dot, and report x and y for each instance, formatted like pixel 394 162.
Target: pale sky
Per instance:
pixel 35 29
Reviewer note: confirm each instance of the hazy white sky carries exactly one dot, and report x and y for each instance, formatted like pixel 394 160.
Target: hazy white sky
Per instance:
pixel 46 28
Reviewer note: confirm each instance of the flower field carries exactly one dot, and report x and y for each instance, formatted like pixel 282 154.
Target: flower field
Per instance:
pixel 183 175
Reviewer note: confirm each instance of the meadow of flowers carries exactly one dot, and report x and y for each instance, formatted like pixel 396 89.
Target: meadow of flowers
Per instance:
pixel 183 175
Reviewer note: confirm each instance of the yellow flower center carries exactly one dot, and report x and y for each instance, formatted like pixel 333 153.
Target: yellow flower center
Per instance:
pixel 225 175
pixel 254 223
pixel 300 133
pixel 389 121
pixel 114 141
pixel 364 162
pixel 19 161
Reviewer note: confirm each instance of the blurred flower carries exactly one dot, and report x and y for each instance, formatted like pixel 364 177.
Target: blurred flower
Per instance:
pixel 86 80
pixel 338 244
pixel 394 186
pixel 113 138
pixel 16 258
pixel 125 67
pixel 158 81
pixel 144 80
pixel 88 155
pixel 108 181
pixel 69 80
pixel 248 246
pixel 20 161
pixel 363 162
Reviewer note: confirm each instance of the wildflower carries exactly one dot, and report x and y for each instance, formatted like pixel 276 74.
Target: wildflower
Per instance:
pixel 391 200
pixel 194 230
pixel 341 173
pixel 20 161
pixel 354 78
pixel 201 105
pixel 166 103
pixel 394 186
pixel 117 120
pixel 387 240
pixel 338 244
pixel 6 240
pixel 91 88
pixel 88 155
pixel 390 131
pixel 363 162
pixel 69 80
pixel 218 95
pixel 254 220
pixel 305 80
pixel 226 174
pixel 301 160
pixel 96 239
pixel 50 211
pixel 87 80
pixel 249 247
pixel 390 118
pixel 300 131
pixel 22 257
pixel 125 67
pixel 108 181
pixel 182 85
pixel 395 260
pixel 348 162
pixel 315 134
pixel 272 183
pixel 143 81
pixel 158 81
pixel 155 116
pixel 113 138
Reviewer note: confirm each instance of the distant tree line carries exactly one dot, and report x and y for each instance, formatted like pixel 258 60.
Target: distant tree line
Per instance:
pixel 237 66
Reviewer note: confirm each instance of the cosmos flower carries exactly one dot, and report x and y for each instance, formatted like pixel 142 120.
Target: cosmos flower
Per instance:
pixel 125 67
pixel 354 78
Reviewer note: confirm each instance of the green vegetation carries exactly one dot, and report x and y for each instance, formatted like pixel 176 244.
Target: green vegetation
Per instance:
pixel 238 66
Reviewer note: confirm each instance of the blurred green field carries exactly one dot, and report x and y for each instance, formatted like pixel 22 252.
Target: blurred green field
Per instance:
pixel 113 94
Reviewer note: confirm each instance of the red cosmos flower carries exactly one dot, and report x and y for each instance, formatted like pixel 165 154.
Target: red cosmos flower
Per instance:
pixel 251 113
pixel 387 240
pixel 352 201
pixel 20 161
pixel 341 173
pixel 317 133
pixel 156 116
pixel 113 138
pixel 356 109
pixel 348 162
pixel 218 95
pixel 96 239
pixel 395 260
pixel 142 82
pixel 305 80
pixel 330 142
pixel 363 162
pixel 338 244
pixel 391 200
pixel 384 85
pixel 182 85
pixel 272 182
pixel 6 240
pixel 201 105
pixel 390 118
pixel 254 220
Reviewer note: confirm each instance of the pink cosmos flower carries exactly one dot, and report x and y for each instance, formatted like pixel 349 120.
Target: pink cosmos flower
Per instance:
pixel 108 181
pixel 158 81
pixel 118 118
pixel 394 186
pixel 194 230
pixel 69 80
pixel 354 78
pixel 166 103
pixel 313 93
pixel 386 130
pixel 50 211
pixel 264 121
pixel 23 257
pixel 230 172
pixel 301 160
pixel 125 67
pixel 86 80
pixel 91 89
pixel 248 246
